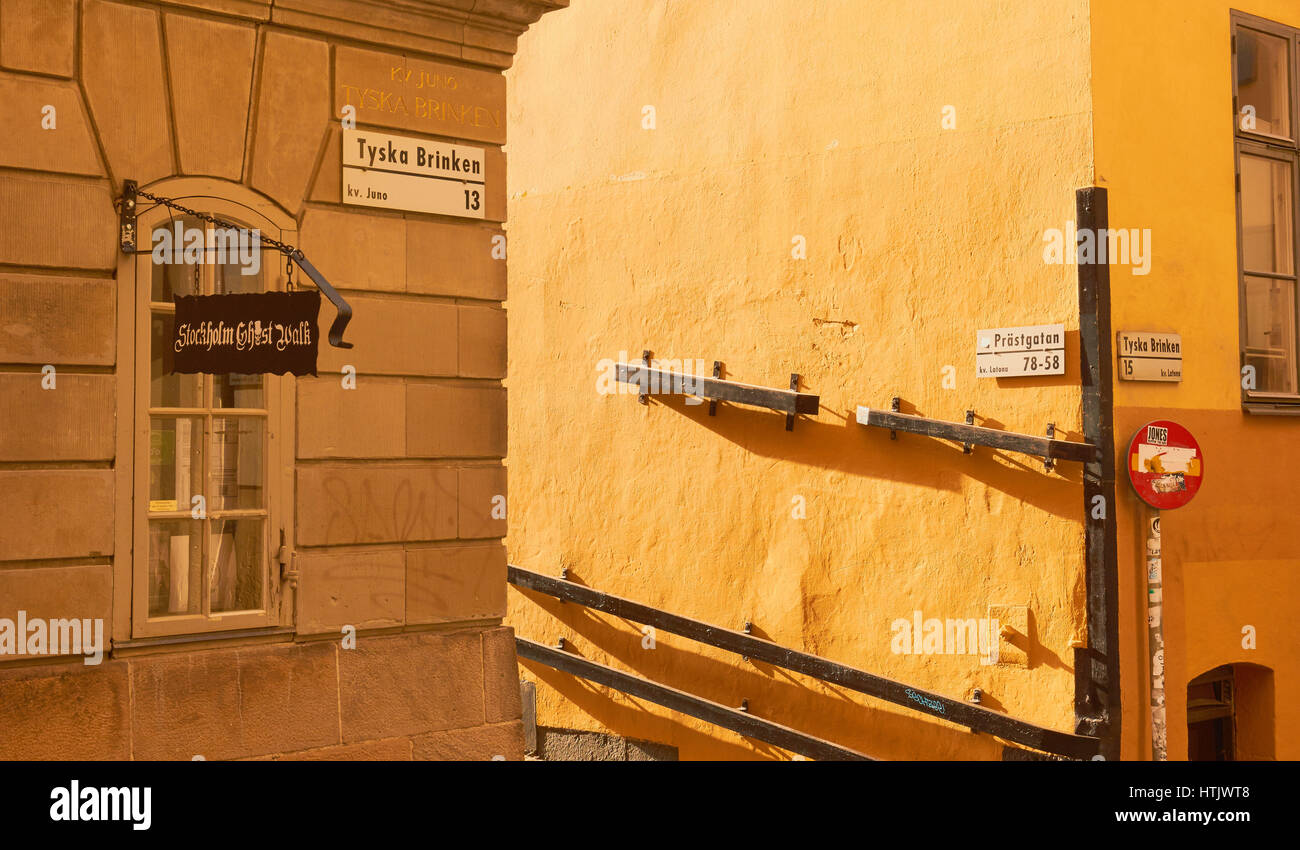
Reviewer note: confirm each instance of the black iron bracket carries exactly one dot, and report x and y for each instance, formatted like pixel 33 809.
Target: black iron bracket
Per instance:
pixel 648 379
pixel 794 387
pixel 643 397
pixel 717 373
pixel 126 216
pixel 344 309
pixel 972 435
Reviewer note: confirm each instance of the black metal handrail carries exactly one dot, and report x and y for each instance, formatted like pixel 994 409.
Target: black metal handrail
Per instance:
pixel 1045 447
pixel 965 714
pixel 790 402
pixel 735 719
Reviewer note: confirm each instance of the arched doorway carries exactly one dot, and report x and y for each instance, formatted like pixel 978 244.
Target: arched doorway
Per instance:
pixel 1230 714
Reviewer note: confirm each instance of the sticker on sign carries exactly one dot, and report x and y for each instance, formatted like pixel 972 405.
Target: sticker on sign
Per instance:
pixel 1019 352
pixel 420 175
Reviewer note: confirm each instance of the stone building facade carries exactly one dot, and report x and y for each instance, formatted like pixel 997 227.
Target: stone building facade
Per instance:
pixel 343 597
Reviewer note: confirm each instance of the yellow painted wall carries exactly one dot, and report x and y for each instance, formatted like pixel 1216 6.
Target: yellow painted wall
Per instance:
pixel 1162 89
pixel 778 120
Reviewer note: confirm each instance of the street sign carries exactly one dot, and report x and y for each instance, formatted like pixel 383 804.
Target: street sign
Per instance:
pixel 1020 352
pixel 1165 464
pixel 421 175
pixel 1150 356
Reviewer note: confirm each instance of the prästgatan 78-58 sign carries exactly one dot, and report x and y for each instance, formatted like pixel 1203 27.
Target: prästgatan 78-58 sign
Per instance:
pixel 1018 352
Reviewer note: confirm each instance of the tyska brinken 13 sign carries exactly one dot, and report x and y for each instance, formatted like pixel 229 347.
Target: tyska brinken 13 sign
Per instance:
pixel 1165 464
pixel 246 333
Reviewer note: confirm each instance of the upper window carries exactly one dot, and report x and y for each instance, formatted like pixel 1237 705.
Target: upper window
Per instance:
pixel 1264 83
pixel 1266 109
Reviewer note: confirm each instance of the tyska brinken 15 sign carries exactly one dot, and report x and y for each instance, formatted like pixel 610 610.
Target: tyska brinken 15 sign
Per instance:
pixel 1165 464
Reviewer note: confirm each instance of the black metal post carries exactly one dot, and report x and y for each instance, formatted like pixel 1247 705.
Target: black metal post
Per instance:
pixel 1097 687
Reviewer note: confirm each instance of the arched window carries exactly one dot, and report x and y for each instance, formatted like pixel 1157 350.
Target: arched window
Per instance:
pixel 213 453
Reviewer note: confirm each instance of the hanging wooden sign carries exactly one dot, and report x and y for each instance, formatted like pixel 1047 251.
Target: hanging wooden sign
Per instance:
pixel 246 333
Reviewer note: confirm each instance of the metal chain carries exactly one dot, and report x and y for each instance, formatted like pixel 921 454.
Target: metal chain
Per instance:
pixel 285 248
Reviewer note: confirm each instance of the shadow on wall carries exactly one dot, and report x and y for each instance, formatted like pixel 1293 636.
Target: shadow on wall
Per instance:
pixel 911 459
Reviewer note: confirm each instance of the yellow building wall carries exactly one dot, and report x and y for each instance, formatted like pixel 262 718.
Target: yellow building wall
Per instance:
pixel 1162 89
pixel 822 121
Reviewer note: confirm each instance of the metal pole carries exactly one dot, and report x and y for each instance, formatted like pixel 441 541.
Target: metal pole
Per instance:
pixel 1156 637
pixel 1097 690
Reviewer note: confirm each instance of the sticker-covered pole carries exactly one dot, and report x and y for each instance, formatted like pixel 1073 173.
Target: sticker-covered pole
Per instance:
pixel 1156 637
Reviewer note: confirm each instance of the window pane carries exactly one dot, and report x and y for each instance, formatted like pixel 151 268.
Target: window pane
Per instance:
pixel 175 462
pixel 1271 333
pixel 237 391
pixel 173 278
pixel 1263 83
pixel 235 463
pixel 236 549
pixel 1267 225
pixel 166 390
pixel 237 256
pixel 175 559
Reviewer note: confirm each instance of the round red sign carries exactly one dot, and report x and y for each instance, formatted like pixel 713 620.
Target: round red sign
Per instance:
pixel 1165 464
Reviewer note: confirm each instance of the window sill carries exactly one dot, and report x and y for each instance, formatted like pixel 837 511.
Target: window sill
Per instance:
pixel 1263 408
pixel 204 640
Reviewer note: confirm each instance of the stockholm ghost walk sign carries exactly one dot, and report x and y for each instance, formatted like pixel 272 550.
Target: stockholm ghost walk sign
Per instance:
pixel 237 333
pixel 246 333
